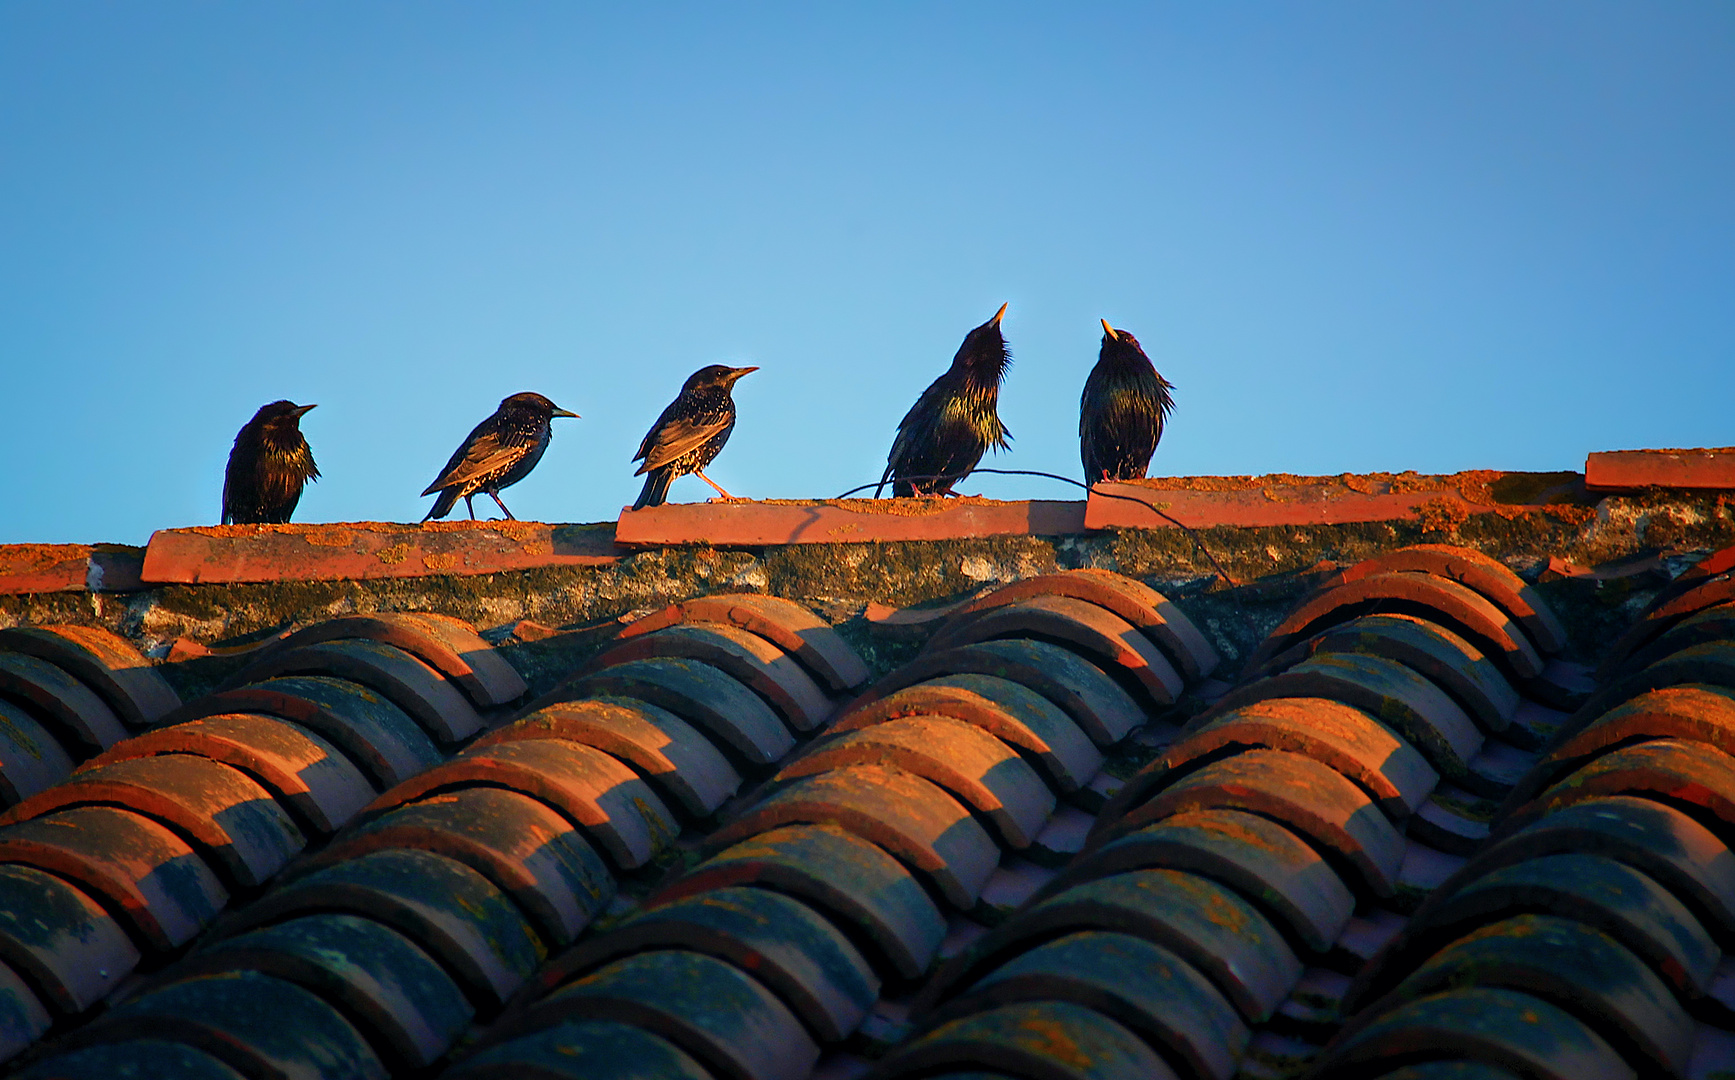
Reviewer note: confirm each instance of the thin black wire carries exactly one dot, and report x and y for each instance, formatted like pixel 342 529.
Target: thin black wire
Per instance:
pixel 1200 544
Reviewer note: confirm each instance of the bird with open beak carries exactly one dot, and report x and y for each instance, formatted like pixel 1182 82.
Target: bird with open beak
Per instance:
pixel 946 432
pixel 1121 413
pixel 689 434
pixel 269 466
pixel 499 452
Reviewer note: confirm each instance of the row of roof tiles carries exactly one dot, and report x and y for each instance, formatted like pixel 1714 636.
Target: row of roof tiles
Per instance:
pixel 910 844
pixel 1589 936
pixel 692 763
pixel 368 550
pixel 1232 888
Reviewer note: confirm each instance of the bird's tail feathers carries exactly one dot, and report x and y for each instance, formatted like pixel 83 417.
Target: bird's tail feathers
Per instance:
pixel 656 489
pixel 443 505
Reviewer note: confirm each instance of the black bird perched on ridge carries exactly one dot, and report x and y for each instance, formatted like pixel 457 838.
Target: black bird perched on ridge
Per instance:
pixel 1121 413
pixel 499 452
pixel 689 434
pixel 955 421
pixel 269 465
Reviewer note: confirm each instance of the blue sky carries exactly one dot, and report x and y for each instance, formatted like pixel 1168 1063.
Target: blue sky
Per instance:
pixel 1355 236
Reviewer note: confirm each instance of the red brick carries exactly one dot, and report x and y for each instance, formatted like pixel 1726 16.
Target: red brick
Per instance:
pixel 42 568
pixel 1289 500
pixel 751 524
pixel 1625 470
pixel 362 550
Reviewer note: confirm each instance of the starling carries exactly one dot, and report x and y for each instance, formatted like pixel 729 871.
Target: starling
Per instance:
pixel 268 467
pixel 500 452
pixel 1120 416
pixel 954 422
pixel 689 433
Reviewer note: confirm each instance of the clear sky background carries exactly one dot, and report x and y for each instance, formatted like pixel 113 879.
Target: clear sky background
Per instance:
pixel 1355 236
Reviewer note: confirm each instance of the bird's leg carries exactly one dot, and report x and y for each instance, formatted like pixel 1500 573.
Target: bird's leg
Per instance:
pixel 470 506
pixel 713 483
pixel 496 497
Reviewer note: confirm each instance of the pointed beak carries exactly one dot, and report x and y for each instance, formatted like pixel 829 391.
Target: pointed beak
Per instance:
pixel 998 315
pixel 740 371
pixel 1110 331
pixel 563 412
pixel 304 410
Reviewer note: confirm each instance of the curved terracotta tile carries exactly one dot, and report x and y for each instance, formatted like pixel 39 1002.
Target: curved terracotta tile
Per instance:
pixel 1483 573
pixel 851 880
pixel 750 659
pixel 519 843
pixel 83 721
pixel 444 713
pixel 1155 615
pixel 591 789
pixel 659 745
pixel 971 764
pixel 1309 797
pixel 103 660
pixel 241 830
pixel 901 812
pixel 1427 648
pixel 786 624
pixel 446 644
pixel 1103 637
pixel 1009 711
pixel 316 781
pixel 1095 702
pixel 1495 632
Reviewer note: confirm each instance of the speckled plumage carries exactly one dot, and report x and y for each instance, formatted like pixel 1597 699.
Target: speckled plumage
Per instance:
pixel 269 466
pixel 689 434
pixel 499 452
pixel 1122 410
pixel 956 419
